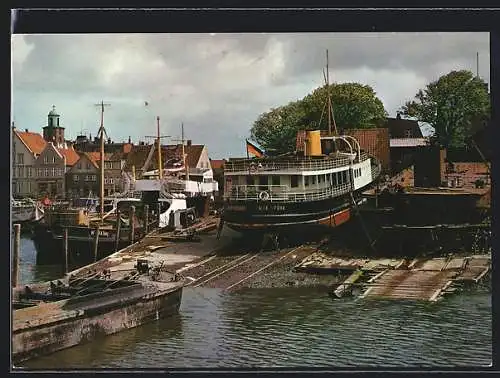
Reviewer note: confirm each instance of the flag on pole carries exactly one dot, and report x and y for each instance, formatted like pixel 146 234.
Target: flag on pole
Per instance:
pixel 253 149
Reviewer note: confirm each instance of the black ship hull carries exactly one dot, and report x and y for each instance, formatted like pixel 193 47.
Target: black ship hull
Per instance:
pixel 50 244
pixel 276 216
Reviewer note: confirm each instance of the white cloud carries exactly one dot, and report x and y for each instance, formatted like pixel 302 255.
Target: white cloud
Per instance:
pixel 217 84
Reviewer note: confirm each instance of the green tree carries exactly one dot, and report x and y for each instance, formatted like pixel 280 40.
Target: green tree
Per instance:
pixel 451 105
pixel 354 106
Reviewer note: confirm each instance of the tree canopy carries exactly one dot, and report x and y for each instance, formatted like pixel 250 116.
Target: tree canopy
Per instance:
pixel 354 106
pixel 452 105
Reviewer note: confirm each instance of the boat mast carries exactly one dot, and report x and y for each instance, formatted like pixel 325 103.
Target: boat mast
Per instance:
pixel 329 99
pixel 101 132
pixel 160 168
pixel 184 152
pixel 331 117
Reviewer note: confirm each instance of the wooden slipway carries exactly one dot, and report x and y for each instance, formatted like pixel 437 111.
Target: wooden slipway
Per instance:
pixel 421 279
pixel 430 279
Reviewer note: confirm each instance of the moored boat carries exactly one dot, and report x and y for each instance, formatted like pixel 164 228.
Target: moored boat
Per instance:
pixel 26 210
pixel 51 316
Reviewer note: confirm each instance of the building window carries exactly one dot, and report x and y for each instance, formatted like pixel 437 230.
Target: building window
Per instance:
pixel 249 180
pixel 54 172
pixel 46 172
pixel 53 159
pixel 46 159
pixel 29 173
pixel 306 180
pixel 19 171
pixel 275 180
pixel 19 187
pixel 313 178
pixel 88 166
pixel 79 166
pixel 94 178
pixel 76 178
pixel 20 158
pixel 294 181
pixel 408 133
pixel 111 181
pixel 87 178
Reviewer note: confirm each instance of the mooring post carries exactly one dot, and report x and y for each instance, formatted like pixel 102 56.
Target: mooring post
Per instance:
pixel 66 252
pixel 96 242
pixel 132 224
pixel 158 210
pixel 17 246
pixel 118 228
pixel 146 219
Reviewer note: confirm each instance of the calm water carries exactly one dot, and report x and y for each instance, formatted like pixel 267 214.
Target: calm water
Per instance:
pixel 288 328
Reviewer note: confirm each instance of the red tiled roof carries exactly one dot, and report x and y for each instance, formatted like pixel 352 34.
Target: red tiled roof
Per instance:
pixel 71 155
pixel 33 141
pixel 96 156
pixel 217 164
pixel 87 155
pixel 137 156
pixel 174 152
pixel 127 147
pixel 193 154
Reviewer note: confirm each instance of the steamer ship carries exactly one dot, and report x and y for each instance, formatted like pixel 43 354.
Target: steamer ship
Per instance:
pixel 318 183
pixel 313 186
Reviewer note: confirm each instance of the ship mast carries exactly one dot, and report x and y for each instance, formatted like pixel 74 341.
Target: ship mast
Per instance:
pixel 101 133
pixel 158 146
pixel 160 168
pixel 331 117
pixel 184 152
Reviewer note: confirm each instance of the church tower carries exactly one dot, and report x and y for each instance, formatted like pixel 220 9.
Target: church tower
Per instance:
pixel 53 132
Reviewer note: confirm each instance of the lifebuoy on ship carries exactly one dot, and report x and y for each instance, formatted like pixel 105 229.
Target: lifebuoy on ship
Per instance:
pixel 264 196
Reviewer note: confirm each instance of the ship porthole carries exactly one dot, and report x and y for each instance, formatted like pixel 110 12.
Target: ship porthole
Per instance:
pixel 264 196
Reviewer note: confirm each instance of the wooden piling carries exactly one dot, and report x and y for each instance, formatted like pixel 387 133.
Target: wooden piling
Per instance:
pixel 132 224
pixel 146 219
pixel 66 253
pixel 96 242
pixel 118 229
pixel 17 246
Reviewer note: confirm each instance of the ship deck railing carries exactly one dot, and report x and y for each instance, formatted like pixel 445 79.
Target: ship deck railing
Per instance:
pixel 282 193
pixel 302 164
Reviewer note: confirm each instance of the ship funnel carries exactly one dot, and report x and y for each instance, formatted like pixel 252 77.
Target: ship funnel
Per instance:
pixel 313 143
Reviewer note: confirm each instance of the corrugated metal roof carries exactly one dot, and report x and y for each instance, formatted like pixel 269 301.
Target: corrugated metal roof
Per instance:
pixel 408 142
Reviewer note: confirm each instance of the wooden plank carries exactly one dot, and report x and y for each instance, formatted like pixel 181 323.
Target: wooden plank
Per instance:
pixel 348 283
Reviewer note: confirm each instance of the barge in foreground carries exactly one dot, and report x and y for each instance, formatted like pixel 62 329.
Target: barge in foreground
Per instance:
pixel 50 316
pixel 315 185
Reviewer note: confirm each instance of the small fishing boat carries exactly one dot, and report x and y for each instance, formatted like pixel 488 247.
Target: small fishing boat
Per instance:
pixel 26 210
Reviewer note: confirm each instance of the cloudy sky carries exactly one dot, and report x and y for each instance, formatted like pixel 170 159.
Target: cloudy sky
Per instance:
pixel 216 84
